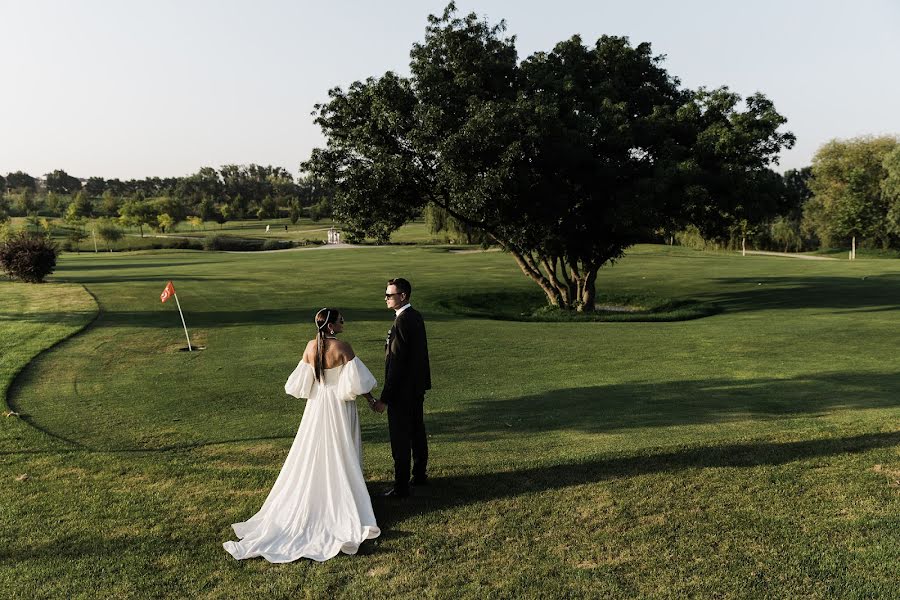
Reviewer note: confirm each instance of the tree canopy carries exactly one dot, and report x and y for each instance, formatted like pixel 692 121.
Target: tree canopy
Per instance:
pixel 61 182
pixel 852 193
pixel 564 159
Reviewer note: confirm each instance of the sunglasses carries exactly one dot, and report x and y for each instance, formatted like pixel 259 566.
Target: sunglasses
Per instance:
pixel 394 294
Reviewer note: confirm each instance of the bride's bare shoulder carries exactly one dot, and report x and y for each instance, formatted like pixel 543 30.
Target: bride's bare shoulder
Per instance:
pixel 309 353
pixel 345 350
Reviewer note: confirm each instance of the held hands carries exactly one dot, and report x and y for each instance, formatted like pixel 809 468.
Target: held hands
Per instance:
pixel 376 405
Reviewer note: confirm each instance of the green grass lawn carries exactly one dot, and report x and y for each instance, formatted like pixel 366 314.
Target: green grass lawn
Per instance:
pixel 303 232
pixel 751 453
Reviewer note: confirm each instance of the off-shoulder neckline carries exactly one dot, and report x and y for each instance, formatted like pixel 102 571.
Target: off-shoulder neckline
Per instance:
pixel 331 368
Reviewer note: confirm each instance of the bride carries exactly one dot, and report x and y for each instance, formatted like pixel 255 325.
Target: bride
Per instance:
pixel 319 505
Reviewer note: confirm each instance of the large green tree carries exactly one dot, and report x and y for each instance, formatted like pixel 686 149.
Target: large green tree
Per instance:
pixel 565 159
pixel 61 182
pixel 95 186
pixel 137 213
pixel 890 189
pixel 849 201
pixel 20 180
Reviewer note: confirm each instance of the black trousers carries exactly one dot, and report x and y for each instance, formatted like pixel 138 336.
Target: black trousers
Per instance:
pixel 406 423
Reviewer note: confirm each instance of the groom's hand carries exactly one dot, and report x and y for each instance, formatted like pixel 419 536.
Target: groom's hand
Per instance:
pixel 379 406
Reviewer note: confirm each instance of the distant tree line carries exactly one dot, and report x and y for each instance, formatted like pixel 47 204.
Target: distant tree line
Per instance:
pixel 232 192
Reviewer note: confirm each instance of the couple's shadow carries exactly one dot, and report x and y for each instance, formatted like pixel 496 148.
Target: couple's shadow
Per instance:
pixel 448 492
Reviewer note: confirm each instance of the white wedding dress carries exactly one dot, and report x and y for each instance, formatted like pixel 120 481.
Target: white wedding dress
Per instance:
pixel 319 505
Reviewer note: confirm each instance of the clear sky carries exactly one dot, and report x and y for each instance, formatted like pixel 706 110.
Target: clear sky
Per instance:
pixel 132 89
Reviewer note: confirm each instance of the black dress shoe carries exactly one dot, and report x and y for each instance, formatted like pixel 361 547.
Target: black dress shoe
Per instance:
pixel 396 493
pixel 419 481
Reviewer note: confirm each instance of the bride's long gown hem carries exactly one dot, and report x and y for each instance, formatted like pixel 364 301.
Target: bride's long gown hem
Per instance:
pixel 319 505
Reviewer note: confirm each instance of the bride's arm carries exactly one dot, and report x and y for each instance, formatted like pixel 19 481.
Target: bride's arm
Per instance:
pixel 349 355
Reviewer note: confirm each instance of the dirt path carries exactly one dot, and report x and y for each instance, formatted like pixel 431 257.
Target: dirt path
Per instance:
pixel 790 255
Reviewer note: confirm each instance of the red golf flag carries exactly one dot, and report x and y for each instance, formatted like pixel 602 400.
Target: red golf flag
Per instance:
pixel 168 292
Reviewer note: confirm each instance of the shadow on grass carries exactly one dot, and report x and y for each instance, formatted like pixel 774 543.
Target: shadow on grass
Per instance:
pixel 461 490
pixel 593 410
pixel 68 319
pixel 70 267
pixel 531 306
pixel 451 492
pixel 162 318
pixel 873 292
pixel 605 409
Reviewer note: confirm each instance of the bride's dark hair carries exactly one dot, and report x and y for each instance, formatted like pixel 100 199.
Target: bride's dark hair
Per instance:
pixel 323 318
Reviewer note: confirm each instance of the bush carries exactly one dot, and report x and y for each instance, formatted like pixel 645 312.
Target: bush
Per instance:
pixel 234 244
pixel 28 257
pixel 276 244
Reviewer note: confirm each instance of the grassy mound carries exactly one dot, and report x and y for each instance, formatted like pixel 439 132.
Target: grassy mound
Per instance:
pixel 510 306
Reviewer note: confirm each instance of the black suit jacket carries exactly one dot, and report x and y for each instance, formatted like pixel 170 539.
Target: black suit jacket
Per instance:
pixel 407 371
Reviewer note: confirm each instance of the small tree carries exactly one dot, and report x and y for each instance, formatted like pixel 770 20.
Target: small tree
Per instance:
pixel 27 257
pixel 110 203
pixel 109 233
pixel 226 213
pixel 75 236
pixel 267 209
pixel 25 202
pixel 137 213
pixel 196 222
pixel 81 205
pixel 322 210
pixel 206 210
pixel 55 204
pixel 786 233
pixel 4 213
pixel 294 212
pixel 164 222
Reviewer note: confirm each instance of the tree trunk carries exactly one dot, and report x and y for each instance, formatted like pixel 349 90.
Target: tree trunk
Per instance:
pixel 532 270
pixel 589 291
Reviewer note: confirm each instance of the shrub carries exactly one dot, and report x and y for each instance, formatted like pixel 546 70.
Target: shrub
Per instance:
pixel 214 242
pixel 225 242
pixel 276 244
pixel 28 257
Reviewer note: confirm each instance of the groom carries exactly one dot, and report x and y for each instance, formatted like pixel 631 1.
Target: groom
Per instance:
pixel 407 374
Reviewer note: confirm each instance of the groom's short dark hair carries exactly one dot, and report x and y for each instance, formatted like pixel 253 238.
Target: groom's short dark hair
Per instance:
pixel 402 285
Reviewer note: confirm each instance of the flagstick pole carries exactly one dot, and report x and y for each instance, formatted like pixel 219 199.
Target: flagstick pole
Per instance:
pixel 183 323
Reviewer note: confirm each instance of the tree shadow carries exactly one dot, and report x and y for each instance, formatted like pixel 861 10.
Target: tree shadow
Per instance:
pixel 68 318
pixel 160 279
pixel 134 263
pixel 460 490
pixel 874 292
pixel 609 408
pixel 227 318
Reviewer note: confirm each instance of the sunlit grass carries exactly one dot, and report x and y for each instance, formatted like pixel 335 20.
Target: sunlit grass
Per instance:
pixel 752 453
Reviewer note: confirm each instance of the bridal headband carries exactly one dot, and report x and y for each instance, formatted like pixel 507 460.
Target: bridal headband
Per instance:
pixel 325 322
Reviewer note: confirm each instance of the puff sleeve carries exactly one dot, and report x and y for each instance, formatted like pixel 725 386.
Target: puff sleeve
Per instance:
pixel 355 380
pixel 300 382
